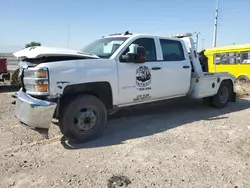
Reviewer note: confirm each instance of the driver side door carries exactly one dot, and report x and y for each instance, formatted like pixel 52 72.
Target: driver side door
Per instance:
pixel 140 82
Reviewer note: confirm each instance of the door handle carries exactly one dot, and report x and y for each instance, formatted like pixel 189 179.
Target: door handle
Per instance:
pixel 156 68
pixel 186 67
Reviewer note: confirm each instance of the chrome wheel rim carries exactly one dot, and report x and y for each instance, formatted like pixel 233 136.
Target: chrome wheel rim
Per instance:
pixel 85 119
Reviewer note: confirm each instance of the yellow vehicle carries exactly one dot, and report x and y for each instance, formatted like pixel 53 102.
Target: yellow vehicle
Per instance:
pixel 234 59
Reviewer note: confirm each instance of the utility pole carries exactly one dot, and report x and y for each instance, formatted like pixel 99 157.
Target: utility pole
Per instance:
pixel 202 44
pixel 216 23
pixel 68 36
pixel 197 39
pixel 215 28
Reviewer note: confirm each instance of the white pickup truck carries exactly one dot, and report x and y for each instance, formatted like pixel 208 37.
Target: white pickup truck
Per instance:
pixel 81 88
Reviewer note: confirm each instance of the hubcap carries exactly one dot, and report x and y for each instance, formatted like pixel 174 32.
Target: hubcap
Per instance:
pixel 224 95
pixel 85 119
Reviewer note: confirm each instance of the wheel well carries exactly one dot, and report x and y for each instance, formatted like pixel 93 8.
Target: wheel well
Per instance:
pixel 229 81
pixel 101 90
pixel 244 77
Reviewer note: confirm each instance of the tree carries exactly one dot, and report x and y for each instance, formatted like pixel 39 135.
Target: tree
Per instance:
pixel 32 44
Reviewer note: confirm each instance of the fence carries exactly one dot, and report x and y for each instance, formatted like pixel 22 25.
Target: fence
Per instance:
pixel 11 60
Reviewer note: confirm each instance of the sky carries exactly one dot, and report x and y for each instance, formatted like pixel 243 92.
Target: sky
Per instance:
pixel 75 23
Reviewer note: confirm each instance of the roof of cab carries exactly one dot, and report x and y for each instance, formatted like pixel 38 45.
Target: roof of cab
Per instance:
pixel 128 35
pixel 228 48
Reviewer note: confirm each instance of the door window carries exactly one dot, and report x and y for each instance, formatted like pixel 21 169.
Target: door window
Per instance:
pixel 245 57
pixel 172 50
pixel 227 58
pixel 148 44
pixel 217 58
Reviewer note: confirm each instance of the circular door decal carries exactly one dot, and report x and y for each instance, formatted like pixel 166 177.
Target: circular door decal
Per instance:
pixel 143 76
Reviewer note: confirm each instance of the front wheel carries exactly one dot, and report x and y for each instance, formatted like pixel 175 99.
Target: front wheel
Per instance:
pixel 221 99
pixel 83 118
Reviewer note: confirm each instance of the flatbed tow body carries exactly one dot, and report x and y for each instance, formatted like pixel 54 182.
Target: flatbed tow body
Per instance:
pixel 208 85
pixel 205 84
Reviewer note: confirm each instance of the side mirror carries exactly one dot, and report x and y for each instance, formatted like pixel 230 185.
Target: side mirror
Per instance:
pixel 138 55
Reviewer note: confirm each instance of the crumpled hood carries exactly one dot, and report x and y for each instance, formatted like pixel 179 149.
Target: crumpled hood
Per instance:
pixel 42 51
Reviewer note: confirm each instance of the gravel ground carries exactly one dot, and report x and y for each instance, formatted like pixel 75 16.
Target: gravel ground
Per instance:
pixel 178 143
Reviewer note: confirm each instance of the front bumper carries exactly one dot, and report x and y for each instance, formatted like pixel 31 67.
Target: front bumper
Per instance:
pixel 32 112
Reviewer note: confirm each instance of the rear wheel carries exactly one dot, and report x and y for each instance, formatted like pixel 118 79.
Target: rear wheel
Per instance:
pixel 221 99
pixel 83 118
pixel 208 101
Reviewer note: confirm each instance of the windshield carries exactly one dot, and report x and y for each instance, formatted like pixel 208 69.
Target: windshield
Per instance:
pixel 105 47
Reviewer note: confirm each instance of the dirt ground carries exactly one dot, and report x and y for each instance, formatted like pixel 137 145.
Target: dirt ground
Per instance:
pixel 177 143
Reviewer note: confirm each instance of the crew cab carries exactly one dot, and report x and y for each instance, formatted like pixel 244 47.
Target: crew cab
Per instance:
pixel 81 88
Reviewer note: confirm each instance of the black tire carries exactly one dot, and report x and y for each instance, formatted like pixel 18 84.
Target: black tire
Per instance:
pixel 220 100
pixel 243 79
pixel 208 101
pixel 69 112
